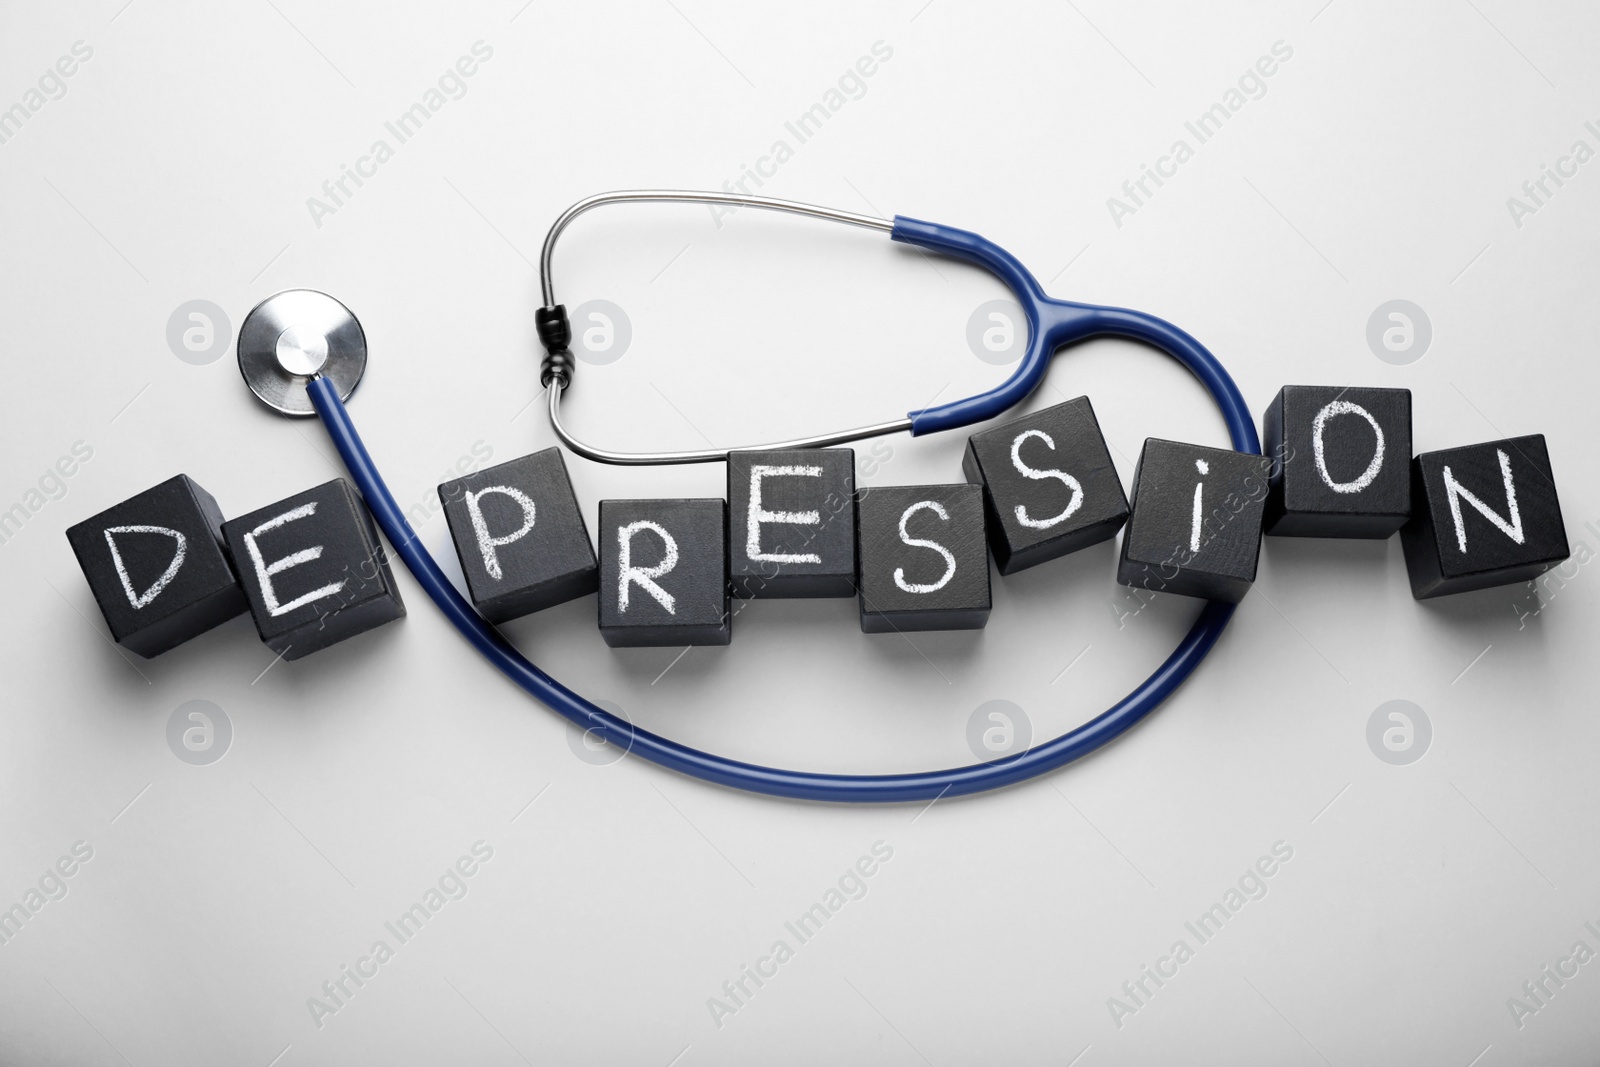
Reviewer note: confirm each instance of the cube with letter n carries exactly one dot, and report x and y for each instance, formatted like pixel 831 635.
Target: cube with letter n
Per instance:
pixel 1481 516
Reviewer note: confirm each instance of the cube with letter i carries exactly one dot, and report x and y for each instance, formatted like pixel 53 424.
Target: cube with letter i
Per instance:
pixel 1049 486
pixel 923 561
pixel 1341 461
pixel 664 573
pixel 156 566
pixel 1195 529
pixel 520 536
pixel 1481 516
pixel 313 569
pixel 792 523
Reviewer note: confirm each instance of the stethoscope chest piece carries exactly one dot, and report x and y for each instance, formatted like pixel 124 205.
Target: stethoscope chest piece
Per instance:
pixel 296 335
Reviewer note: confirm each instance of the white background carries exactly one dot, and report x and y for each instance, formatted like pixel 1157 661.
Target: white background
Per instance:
pixel 177 166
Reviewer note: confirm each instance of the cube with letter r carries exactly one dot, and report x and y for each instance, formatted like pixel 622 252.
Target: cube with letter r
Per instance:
pixel 157 568
pixel 664 573
pixel 313 569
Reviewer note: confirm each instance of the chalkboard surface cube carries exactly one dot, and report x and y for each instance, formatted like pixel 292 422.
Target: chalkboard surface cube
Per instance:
pixel 156 566
pixel 664 573
pixel 1342 461
pixel 1049 486
pixel 1196 522
pixel 313 569
pixel 922 558
pixel 792 523
pixel 1481 516
pixel 520 536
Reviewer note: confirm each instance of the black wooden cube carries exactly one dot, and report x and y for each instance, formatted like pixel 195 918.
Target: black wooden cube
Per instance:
pixel 1481 516
pixel 157 567
pixel 1049 486
pixel 923 563
pixel 664 573
pixel 313 569
pixel 792 523
pixel 1342 461
pixel 1195 528
pixel 520 536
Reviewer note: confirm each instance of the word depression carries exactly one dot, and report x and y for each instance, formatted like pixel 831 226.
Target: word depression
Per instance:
pixel 164 566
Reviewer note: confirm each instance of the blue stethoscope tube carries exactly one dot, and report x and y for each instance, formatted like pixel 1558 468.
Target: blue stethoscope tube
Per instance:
pixel 1052 323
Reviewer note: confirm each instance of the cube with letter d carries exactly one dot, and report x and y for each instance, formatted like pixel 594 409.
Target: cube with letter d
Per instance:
pixel 156 566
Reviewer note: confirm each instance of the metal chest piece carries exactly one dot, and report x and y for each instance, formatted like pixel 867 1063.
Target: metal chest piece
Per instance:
pixel 293 336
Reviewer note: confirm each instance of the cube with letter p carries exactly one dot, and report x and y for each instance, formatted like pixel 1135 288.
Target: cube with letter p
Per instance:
pixel 520 536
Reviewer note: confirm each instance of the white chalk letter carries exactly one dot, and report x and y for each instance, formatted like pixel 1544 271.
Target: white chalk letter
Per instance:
pixel 1028 472
pixel 645 576
pixel 757 516
pixel 265 570
pixel 917 542
pixel 1456 494
pixel 143 599
pixel 488 544
pixel 1364 479
pixel 1199 488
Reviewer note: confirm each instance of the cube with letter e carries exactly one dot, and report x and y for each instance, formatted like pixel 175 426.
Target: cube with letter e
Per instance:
pixel 313 569
pixel 792 523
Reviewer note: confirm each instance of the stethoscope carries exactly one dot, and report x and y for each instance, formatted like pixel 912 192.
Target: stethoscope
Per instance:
pixel 302 352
